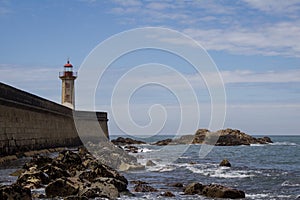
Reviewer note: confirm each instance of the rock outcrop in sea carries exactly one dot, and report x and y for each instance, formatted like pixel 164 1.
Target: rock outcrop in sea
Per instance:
pixel 225 137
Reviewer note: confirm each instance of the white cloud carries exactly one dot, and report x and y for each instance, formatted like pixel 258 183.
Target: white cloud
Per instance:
pixel 282 38
pixel 277 6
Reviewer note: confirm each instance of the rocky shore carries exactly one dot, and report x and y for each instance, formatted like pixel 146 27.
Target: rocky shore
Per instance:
pixel 78 174
pixel 70 175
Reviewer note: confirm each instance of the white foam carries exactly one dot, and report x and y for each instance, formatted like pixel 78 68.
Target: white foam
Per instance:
pixel 284 144
pixel 289 184
pixel 269 196
pixel 222 172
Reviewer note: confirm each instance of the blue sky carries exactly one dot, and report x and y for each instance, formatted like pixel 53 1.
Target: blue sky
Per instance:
pixel 255 45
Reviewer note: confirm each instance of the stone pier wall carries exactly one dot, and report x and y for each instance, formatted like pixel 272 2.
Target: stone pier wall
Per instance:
pixel 29 122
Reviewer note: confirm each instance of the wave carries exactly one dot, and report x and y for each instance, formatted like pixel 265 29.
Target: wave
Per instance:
pixel 268 195
pixel 284 144
pixel 221 172
pixel 275 144
pixel 289 184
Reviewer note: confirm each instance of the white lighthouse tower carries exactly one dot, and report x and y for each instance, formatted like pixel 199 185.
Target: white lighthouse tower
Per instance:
pixel 68 79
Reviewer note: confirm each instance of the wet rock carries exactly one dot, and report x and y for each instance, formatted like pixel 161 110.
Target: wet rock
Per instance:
pixel 33 178
pixel 76 198
pixel 144 188
pixel 124 141
pixel 219 191
pixel 55 172
pixel 14 192
pixel 138 182
pixel 38 162
pixel 163 142
pixel 70 159
pixel 193 188
pixel 179 185
pixel 62 187
pixel 225 163
pixel 264 140
pixel 150 163
pixel 100 189
pixel 113 156
pixel 131 149
pixel 167 194
pixel 18 172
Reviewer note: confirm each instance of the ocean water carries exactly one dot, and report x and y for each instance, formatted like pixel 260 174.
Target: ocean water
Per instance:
pixel 263 172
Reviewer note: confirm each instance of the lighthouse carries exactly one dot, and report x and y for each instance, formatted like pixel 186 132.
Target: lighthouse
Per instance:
pixel 68 79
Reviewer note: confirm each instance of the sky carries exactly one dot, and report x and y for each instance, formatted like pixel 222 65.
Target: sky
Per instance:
pixel 254 44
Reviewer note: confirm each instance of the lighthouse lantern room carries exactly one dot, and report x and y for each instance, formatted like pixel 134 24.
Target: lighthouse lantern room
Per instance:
pixel 68 78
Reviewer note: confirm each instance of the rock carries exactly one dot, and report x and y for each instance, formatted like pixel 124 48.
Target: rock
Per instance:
pixel 144 188
pixel 163 142
pixel 100 189
pixel 33 178
pixel 14 192
pixel 38 196
pixel 225 163
pixel 264 140
pixel 138 182
pixel 62 187
pixel 120 185
pixel 55 172
pixel 128 167
pixel 124 141
pixel 219 191
pixel 76 198
pixel 226 137
pixel 150 163
pixel 131 149
pixel 179 185
pixel 38 162
pixel 71 160
pixel 193 188
pixel 18 172
pixel 167 194
pixel 115 157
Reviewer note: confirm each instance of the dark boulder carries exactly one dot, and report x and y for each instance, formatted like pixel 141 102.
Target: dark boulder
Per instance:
pixel 62 187
pixel 163 142
pixel 120 141
pixel 225 163
pixel 131 149
pixel 193 188
pixel 14 192
pixel 34 178
pixel 220 191
pixel 179 185
pixel 38 162
pixel 74 197
pixel 54 172
pixel 167 194
pixel 100 189
pixel 150 163
pixel 144 188
pixel 264 140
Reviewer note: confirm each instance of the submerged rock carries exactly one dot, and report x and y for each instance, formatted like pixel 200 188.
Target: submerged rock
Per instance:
pixel 225 163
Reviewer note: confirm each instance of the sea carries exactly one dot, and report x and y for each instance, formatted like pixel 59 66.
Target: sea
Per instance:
pixel 263 172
